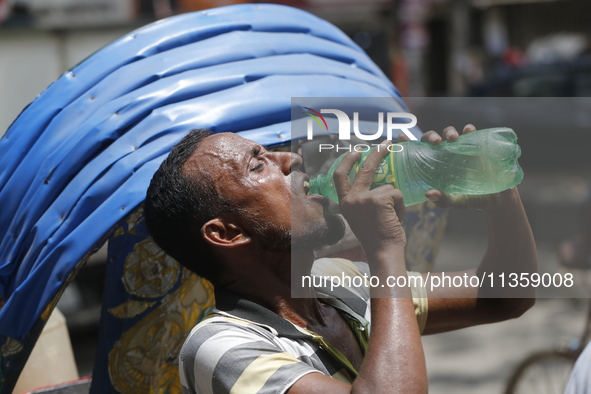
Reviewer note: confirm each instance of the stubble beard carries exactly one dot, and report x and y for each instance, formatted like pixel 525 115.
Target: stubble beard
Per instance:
pixel 315 236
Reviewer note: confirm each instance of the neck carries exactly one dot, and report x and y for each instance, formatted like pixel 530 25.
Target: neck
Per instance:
pixel 267 280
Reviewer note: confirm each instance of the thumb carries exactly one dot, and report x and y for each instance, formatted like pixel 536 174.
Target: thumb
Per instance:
pixel 440 198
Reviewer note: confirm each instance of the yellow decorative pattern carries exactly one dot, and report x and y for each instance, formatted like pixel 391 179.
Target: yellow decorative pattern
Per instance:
pixel 148 271
pixel 130 309
pixel 144 360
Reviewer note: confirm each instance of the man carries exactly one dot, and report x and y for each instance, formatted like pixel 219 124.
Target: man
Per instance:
pixel 242 217
pixel 579 381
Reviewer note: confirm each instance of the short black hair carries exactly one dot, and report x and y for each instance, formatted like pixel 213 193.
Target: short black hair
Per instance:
pixel 178 204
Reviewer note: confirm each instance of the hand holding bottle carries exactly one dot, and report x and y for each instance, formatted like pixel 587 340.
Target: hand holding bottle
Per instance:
pixel 479 163
pixel 373 214
pixel 459 201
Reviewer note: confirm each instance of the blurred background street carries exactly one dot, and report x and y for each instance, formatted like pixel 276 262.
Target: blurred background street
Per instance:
pixel 481 359
pixel 524 50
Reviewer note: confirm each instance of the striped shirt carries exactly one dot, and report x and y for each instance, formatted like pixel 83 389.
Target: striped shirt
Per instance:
pixel 242 347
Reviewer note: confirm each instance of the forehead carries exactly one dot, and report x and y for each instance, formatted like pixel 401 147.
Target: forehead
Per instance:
pixel 226 151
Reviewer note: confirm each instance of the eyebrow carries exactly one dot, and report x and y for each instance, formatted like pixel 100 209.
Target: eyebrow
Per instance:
pixel 251 153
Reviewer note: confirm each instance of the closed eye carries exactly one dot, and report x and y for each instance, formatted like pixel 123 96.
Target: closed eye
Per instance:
pixel 258 168
pixel 256 151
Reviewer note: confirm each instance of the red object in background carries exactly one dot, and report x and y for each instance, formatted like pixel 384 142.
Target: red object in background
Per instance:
pixel 399 72
pixel 4 10
pixel 291 3
pixel 513 57
pixel 78 386
pixel 197 5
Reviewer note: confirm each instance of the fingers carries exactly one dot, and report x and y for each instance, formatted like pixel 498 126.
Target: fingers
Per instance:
pixel 437 197
pixel 366 172
pixel 388 194
pixel 442 199
pixel 403 138
pixel 375 217
pixel 450 134
pixel 399 204
pixel 341 174
pixel 469 128
pixel 431 137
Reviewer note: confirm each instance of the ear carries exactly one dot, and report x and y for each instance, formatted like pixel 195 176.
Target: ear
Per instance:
pixel 224 233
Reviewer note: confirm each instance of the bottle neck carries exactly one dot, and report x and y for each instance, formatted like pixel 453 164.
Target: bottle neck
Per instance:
pixel 316 184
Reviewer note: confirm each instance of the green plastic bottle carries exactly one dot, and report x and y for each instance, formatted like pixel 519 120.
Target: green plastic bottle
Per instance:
pixel 481 162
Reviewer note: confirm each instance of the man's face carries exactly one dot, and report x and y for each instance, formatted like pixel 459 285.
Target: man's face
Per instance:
pixel 270 190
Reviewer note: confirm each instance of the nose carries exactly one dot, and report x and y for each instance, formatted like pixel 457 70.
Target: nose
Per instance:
pixel 289 161
pixel 296 162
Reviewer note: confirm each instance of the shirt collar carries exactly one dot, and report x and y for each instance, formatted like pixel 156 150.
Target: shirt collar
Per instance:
pixel 236 305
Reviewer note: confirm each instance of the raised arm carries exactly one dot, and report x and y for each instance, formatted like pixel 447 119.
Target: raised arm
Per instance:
pixel 511 249
pixel 394 361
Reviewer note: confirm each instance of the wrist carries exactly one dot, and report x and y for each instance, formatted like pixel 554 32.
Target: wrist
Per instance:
pixel 387 260
pixel 504 199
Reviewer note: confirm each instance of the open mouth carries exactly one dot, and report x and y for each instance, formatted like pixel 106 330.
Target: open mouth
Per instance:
pixel 306 187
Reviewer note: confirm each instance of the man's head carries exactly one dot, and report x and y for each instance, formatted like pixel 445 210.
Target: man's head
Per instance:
pixel 219 192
